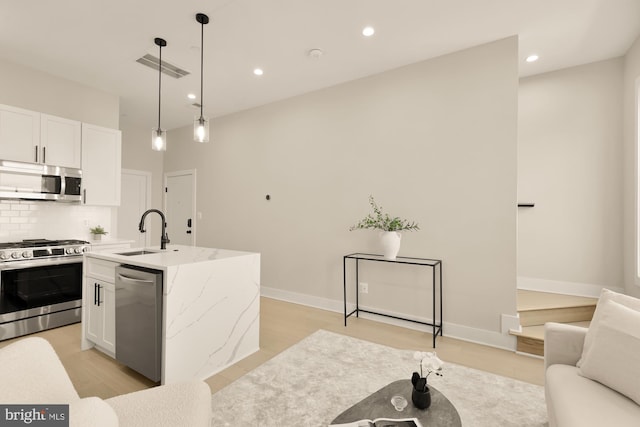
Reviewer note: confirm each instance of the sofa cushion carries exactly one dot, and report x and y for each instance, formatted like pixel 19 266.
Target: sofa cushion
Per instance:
pixel 614 356
pixel 35 373
pixel 574 400
pixel 171 405
pixel 606 295
pixel 91 411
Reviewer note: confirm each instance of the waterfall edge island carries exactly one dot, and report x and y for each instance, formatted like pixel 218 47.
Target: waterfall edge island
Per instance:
pixel 210 306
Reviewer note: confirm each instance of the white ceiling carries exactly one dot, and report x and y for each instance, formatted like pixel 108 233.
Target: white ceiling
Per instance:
pixel 96 42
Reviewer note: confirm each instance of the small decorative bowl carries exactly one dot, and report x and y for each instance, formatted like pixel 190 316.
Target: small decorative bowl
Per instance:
pixel 399 403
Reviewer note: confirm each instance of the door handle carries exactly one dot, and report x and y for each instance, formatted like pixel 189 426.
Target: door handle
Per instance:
pixel 99 286
pixel 136 281
pixel 188 231
pixel 189 223
pixel 36 154
pixel 95 293
pixel 44 154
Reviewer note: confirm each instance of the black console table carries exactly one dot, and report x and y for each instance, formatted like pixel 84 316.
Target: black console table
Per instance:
pixel 434 264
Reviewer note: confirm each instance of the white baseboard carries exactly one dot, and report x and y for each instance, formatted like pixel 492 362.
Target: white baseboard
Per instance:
pixel 562 287
pixel 452 330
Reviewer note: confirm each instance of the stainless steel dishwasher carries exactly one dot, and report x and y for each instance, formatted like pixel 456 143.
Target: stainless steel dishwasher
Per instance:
pixel 139 319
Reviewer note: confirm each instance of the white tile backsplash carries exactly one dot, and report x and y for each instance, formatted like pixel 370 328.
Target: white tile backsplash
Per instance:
pixel 49 220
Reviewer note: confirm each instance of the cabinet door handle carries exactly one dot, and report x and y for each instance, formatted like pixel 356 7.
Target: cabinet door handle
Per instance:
pixel 84 196
pixel 99 287
pixel 95 293
pixel 36 154
pixel 44 154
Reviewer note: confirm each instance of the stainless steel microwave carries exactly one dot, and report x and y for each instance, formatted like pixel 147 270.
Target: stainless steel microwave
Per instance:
pixel 34 181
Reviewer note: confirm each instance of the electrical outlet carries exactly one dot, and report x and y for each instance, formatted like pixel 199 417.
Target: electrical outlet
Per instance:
pixel 364 287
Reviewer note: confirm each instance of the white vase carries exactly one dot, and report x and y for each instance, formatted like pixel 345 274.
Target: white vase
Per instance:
pixel 390 243
pixel 97 237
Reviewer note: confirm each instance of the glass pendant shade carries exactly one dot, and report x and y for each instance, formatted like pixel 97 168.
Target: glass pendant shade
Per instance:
pixel 159 140
pixel 201 123
pixel 159 135
pixel 201 129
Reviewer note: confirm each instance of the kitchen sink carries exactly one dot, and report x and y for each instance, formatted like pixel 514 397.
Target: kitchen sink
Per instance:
pixel 141 252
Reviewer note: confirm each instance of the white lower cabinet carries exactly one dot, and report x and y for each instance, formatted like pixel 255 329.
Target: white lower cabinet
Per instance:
pixel 101 318
pixel 99 305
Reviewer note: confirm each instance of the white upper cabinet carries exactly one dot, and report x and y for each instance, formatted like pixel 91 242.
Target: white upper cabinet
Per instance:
pixel 60 141
pixel 29 136
pixel 19 134
pixel 101 165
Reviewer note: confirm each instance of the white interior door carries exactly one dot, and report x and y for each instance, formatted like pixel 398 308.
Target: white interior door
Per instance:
pixel 135 199
pixel 180 207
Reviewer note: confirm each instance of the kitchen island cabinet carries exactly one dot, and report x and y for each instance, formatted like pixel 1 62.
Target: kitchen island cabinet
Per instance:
pixel 210 306
pixel 98 302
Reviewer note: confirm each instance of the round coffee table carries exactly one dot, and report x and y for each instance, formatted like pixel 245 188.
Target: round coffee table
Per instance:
pixel 441 413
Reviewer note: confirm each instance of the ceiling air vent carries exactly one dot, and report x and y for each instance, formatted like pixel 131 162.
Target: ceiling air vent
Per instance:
pixel 167 68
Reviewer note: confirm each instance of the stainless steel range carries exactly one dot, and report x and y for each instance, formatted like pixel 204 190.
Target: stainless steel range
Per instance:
pixel 40 285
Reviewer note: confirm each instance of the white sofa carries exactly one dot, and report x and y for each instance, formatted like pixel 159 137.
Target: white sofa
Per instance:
pixel 32 373
pixel 593 375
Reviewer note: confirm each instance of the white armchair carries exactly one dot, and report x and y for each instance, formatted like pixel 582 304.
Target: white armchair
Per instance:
pixel 31 373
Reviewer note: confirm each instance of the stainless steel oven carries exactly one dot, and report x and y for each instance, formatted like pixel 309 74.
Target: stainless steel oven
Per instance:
pixel 40 285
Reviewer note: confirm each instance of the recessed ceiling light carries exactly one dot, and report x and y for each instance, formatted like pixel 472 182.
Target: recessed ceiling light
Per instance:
pixel 191 96
pixel 258 71
pixel 368 31
pixel 532 58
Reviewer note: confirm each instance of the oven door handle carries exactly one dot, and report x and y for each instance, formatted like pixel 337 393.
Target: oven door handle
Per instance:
pixel 19 265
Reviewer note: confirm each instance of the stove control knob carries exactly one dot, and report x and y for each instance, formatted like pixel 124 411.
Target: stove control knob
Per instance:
pixel 3 256
pixel 69 250
pixel 26 254
pixel 15 255
pixel 78 250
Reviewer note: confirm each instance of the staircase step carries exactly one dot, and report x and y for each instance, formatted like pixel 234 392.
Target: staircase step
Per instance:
pixel 531 338
pixel 537 308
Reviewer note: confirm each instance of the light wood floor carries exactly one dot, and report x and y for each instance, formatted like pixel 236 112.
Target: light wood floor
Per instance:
pixel 283 325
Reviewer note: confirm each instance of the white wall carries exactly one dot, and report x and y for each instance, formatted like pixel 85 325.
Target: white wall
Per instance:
pixel 38 91
pixel 34 90
pixel 569 165
pixel 137 155
pixel 630 165
pixel 433 141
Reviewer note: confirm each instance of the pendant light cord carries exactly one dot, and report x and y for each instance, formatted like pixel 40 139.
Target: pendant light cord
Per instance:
pixel 159 86
pixel 201 67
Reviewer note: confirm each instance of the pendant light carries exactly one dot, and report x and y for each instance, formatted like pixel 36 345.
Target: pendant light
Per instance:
pixel 201 124
pixel 159 135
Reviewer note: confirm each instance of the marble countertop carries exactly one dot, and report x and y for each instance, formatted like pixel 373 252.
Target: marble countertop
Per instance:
pixel 174 255
pixel 109 241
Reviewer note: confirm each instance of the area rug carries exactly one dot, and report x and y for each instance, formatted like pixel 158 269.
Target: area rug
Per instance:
pixel 314 381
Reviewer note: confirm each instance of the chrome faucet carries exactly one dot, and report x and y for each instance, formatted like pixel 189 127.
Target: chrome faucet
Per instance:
pixel 164 239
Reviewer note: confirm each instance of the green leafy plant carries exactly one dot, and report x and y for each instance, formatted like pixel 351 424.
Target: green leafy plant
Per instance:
pixel 97 230
pixel 382 221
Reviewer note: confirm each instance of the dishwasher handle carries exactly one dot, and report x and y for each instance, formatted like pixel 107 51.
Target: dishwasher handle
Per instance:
pixel 133 280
